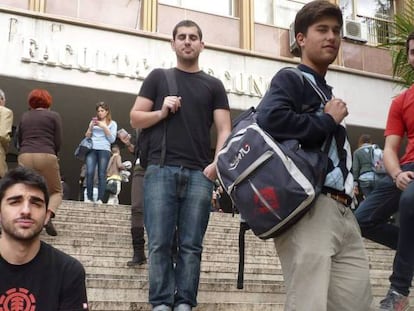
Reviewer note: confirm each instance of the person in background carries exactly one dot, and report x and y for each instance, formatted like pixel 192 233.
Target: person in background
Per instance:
pixel 113 173
pixel 364 177
pixel 82 184
pixel 395 192
pixel 179 179
pixel 34 274
pixel 137 204
pixel 40 138
pixel 323 257
pixel 65 188
pixel 102 129
pixel 6 123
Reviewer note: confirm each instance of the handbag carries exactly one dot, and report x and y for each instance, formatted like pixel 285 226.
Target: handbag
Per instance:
pixel 271 183
pixel 83 148
pixel 111 186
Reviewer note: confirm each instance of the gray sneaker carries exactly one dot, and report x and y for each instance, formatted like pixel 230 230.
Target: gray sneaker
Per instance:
pixel 183 307
pixel 394 301
pixel 161 308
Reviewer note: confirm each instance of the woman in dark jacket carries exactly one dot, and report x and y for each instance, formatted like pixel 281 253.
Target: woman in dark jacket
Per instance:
pixel 40 138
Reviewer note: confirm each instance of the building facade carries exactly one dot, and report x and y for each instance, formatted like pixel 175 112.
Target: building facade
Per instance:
pixel 85 51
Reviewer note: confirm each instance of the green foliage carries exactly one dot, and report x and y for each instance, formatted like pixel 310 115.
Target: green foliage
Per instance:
pixel 400 29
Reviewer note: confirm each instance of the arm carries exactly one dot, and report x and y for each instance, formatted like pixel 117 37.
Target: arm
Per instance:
pixel 392 163
pixel 110 131
pixel 142 115
pixel 356 167
pixel 58 133
pixel 222 122
pixel 280 111
pixel 6 121
pixel 88 132
pixel 151 105
pixel 127 141
pixel 119 162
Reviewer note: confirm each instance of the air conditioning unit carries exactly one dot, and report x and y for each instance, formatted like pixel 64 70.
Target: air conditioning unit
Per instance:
pixel 293 46
pixel 354 30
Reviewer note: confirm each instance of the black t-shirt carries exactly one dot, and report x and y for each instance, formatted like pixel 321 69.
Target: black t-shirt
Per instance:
pixel 188 130
pixel 52 281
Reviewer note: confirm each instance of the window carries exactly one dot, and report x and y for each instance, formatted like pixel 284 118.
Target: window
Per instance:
pixel 124 13
pixel 280 13
pixel 375 16
pixel 21 4
pixel 219 7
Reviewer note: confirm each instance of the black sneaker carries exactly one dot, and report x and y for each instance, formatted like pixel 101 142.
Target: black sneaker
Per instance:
pixel 50 228
pixel 394 301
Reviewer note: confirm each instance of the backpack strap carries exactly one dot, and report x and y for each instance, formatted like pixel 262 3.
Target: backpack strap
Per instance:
pixel 172 90
pixel 242 232
pixel 303 75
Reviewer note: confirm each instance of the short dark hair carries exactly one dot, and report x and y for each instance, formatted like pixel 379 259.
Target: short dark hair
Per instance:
pixel 26 176
pixel 407 43
pixel 187 23
pixel 364 139
pixel 312 12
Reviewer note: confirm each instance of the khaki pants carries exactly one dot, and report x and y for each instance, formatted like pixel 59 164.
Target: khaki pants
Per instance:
pixel 324 261
pixel 47 165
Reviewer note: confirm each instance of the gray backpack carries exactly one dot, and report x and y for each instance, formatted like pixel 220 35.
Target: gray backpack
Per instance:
pixel 271 183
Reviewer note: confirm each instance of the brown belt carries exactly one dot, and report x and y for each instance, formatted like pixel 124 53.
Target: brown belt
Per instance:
pixel 339 197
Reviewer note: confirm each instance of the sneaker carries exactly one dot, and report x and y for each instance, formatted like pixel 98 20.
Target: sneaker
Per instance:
pixel 87 201
pixel 183 307
pixel 161 308
pixel 394 301
pixel 99 202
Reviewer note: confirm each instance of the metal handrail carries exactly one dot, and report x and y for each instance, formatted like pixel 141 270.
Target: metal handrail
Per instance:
pixel 379 30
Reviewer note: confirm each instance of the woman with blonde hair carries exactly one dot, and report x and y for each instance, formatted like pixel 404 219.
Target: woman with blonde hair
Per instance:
pixel 39 139
pixel 102 130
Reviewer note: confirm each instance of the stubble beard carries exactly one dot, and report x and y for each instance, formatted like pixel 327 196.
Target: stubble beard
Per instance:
pixel 21 235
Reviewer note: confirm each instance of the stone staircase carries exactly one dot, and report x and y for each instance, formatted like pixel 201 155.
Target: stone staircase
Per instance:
pixel 99 236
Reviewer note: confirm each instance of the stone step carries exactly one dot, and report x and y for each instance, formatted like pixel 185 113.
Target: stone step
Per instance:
pixel 131 290
pixel 99 236
pixel 209 306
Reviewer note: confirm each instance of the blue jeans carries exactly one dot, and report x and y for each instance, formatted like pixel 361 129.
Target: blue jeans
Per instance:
pixel 95 158
pixel 175 198
pixel 373 215
pixel 367 186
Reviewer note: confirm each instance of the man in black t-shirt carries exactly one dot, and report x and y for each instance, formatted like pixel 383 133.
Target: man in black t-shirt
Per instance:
pixel 178 182
pixel 33 274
